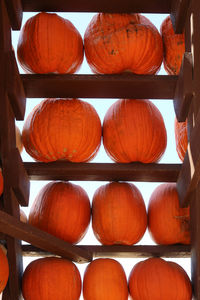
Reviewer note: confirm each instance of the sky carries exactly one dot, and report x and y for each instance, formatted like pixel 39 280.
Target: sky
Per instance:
pixel 81 21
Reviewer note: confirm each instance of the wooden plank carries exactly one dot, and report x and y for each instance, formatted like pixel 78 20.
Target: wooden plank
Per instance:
pixel 179 10
pixel 121 251
pixel 129 6
pixel 5 29
pixel 103 171
pixel 14 86
pixel 184 88
pixel 195 241
pixel 15 13
pixel 100 86
pixel 15 228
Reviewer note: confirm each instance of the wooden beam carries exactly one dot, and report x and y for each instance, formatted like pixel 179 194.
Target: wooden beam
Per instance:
pixel 15 228
pixel 100 86
pixel 179 10
pixel 103 171
pixel 184 88
pixel 5 29
pixel 15 89
pixel 15 13
pixel 129 6
pixel 122 251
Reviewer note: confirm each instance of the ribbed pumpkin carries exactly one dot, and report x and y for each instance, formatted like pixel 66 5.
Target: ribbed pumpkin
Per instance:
pixel 62 209
pixel 115 43
pixel 134 130
pixel 51 278
pixel 62 129
pixel 174 47
pixel 105 279
pixel 157 279
pixel 118 214
pixel 4 268
pixel 49 43
pixel 168 223
pixel 181 138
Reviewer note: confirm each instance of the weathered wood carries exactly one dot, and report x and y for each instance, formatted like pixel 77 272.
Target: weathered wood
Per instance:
pixel 15 228
pixel 100 86
pixel 15 89
pixel 184 88
pixel 119 251
pixel 5 30
pixel 15 13
pixel 142 6
pixel 102 171
pixel 179 10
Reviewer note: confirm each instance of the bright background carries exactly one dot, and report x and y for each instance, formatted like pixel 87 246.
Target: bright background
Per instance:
pixel 80 21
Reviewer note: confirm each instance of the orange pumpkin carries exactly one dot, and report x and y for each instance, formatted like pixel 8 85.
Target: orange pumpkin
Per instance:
pixel 105 279
pixel 62 129
pixel 118 214
pixel 157 279
pixel 168 223
pixel 115 43
pixel 4 268
pixel 134 130
pixel 51 278
pixel 49 43
pixel 181 138
pixel 61 209
pixel 174 47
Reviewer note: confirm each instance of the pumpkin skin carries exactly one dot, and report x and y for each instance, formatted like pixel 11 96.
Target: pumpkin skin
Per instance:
pixel 118 214
pixel 49 43
pixel 174 47
pixel 181 138
pixel 134 130
pixel 104 278
pixel 168 223
pixel 115 43
pixel 162 280
pixel 4 269
pixel 63 210
pixel 51 278
pixel 62 129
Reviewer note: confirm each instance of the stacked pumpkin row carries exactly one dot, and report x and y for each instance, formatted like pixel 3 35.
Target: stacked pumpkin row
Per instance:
pixel 113 43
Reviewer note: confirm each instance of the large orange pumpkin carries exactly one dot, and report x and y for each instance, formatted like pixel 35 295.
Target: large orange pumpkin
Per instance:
pixel 181 138
pixel 134 130
pixel 49 43
pixel 51 278
pixel 105 279
pixel 118 214
pixel 115 43
pixel 62 129
pixel 168 223
pixel 4 268
pixel 174 47
pixel 61 209
pixel 157 279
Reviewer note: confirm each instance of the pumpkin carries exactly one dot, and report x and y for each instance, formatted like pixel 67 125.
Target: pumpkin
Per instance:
pixel 23 217
pixel 181 138
pixel 62 129
pixel 134 130
pixel 4 269
pixel 61 209
pixel 19 143
pixel 118 214
pixel 157 279
pixel 115 43
pixel 51 278
pixel 1 182
pixel 49 43
pixel 168 223
pixel 105 279
pixel 174 47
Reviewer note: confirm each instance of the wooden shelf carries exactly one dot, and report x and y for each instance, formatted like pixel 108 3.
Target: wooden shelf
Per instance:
pixel 129 6
pixel 100 86
pixel 102 172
